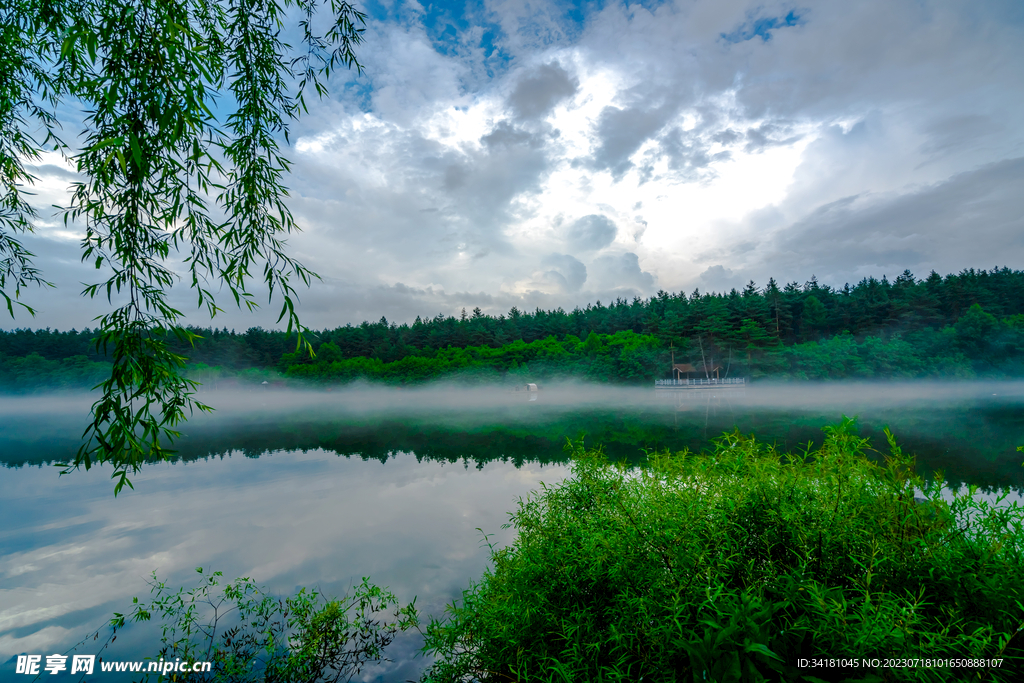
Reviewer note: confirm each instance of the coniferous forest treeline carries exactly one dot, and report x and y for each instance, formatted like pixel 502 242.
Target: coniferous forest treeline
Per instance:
pixel 965 325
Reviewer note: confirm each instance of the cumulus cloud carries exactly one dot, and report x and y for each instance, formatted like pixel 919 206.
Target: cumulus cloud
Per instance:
pixel 539 91
pixel 943 226
pixel 591 233
pixel 717 278
pixel 565 271
pixel 621 132
pixel 622 273
pixel 641 228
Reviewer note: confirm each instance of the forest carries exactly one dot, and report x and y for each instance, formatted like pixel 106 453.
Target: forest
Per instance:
pixel 969 324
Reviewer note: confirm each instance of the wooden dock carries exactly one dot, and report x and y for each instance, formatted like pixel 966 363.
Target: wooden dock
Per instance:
pixel 691 384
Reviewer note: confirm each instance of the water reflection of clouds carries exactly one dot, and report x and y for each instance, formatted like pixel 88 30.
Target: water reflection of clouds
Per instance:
pixel 293 519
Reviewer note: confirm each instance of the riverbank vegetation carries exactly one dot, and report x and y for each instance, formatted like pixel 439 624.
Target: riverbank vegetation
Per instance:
pixel 248 635
pixel 737 565
pixel 966 325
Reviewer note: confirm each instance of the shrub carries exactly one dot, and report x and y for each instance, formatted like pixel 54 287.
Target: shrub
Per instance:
pixel 250 636
pixel 738 563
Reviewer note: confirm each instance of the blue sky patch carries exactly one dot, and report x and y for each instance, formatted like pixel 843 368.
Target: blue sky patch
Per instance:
pixel 763 28
pixel 446 22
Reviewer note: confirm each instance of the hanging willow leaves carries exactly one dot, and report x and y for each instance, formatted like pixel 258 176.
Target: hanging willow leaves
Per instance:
pixel 185 105
pixel 23 87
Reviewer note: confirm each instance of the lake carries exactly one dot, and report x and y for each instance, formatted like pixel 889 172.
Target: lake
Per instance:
pixel 320 489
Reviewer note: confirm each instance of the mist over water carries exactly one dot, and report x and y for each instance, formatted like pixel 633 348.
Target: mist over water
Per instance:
pixel 321 488
pixel 968 429
pixel 441 397
pixel 361 398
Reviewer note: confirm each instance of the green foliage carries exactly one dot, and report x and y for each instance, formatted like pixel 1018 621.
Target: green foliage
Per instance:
pixel 33 372
pixel 973 331
pixel 814 317
pixel 734 565
pixel 162 175
pixel 21 71
pixel 844 357
pixel 620 357
pixel 249 635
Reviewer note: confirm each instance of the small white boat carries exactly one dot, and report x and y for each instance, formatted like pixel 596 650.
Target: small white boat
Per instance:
pixel 529 389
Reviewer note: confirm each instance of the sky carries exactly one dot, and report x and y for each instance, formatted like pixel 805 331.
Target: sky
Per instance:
pixel 553 154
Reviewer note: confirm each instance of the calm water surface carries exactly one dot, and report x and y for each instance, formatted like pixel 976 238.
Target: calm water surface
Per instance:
pixel 323 489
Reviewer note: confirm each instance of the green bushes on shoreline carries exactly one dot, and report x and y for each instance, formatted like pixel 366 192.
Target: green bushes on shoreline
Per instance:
pixel 36 373
pixel 631 358
pixel 736 564
pixel 621 357
pixel 249 636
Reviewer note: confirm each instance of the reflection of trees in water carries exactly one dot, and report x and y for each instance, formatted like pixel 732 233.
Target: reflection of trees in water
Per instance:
pixel 973 443
pixel 710 401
